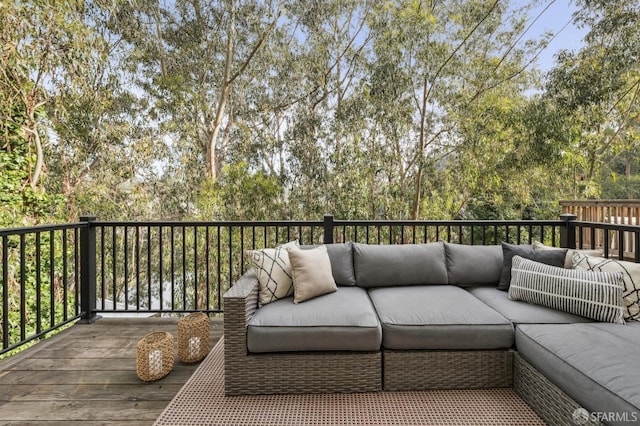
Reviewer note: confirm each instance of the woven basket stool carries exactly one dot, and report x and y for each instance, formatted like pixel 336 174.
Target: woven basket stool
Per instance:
pixel 193 337
pixel 154 356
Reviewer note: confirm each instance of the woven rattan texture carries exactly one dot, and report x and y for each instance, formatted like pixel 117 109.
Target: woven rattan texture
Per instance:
pixel 549 401
pixel 193 337
pixel 306 373
pixel 423 370
pixel 202 402
pixel 287 372
pixel 154 356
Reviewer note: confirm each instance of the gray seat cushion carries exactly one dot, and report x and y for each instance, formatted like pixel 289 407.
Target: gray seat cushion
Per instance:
pixel 438 317
pixel 399 264
pixel 473 265
pixel 522 312
pixel 340 321
pixel 595 364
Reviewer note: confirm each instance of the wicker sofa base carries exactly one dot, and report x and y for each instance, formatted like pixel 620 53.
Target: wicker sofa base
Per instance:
pixel 547 400
pixel 323 372
pixel 424 370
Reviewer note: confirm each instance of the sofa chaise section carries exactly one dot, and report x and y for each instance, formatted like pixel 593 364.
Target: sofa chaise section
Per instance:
pixel 594 365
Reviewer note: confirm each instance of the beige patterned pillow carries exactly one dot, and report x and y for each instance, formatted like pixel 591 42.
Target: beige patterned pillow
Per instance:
pixel 631 276
pixel 537 245
pixel 273 268
pixel 312 275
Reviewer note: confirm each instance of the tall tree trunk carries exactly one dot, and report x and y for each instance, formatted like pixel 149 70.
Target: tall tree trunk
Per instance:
pixel 225 89
pixel 417 194
pixel 32 128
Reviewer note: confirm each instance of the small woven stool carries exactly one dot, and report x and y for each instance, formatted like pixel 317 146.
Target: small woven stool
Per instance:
pixel 193 337
pixel 154 356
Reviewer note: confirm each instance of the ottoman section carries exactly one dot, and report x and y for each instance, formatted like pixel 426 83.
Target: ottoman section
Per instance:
pixel 341 321
pixel 438 317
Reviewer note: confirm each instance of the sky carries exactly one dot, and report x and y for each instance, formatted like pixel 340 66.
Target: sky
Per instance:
pixel 554 19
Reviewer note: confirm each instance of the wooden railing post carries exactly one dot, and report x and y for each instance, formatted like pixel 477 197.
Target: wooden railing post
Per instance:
pixel 88 271
pixel 568 231
pixel 328 229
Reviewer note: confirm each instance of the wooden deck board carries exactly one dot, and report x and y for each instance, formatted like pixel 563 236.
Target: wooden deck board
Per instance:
pixel 86 375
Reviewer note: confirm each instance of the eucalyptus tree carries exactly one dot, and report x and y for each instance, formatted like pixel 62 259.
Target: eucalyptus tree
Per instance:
pixel 21 203
pixel 104 147
pixel 50 52
pixel 438 67
pixel 288 112
pixel 190 57
pixel 378 98
pixel 597 88
pixel 324 127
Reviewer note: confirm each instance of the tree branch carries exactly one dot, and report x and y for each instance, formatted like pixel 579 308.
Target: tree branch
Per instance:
pixel 462 43
pixel 255 49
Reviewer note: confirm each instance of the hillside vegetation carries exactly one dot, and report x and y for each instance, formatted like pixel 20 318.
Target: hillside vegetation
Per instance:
pixel 237 109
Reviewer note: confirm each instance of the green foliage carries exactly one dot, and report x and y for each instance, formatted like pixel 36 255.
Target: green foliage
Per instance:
pixel 271 110
pixel 22 204
pixel 620 176
pixel 241 194
pixel 596 90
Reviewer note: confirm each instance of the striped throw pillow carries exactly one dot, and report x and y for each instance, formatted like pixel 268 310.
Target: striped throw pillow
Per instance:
pixel 595 295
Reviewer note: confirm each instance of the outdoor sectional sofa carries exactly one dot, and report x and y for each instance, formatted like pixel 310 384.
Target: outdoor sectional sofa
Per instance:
pixel 431 316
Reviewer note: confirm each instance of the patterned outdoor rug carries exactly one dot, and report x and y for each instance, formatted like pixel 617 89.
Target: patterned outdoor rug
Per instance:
pixel 202 401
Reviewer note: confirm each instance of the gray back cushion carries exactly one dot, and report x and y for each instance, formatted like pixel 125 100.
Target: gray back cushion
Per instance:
pixel 553 257
pixel 399 264
pixel 341 257
pixel 508 251
pixel 473 265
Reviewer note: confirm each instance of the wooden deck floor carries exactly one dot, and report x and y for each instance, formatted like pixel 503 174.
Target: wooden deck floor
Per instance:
pixel 87 375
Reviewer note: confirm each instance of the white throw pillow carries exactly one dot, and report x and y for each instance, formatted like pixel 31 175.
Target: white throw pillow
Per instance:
pixel 312 276
pixel 630 274
pixel 273 268
pixel 595 295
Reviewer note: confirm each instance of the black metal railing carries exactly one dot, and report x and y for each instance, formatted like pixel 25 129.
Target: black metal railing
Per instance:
pixel 462 232
pixel 40 272
pixel 53 275
pixel 180 267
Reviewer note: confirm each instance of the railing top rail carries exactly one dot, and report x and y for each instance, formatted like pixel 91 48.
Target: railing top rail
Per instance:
pixel 284 223
pixel 319 223
pixel 603 203
pixel 448 222
pixel 42 228
pixel 245 223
